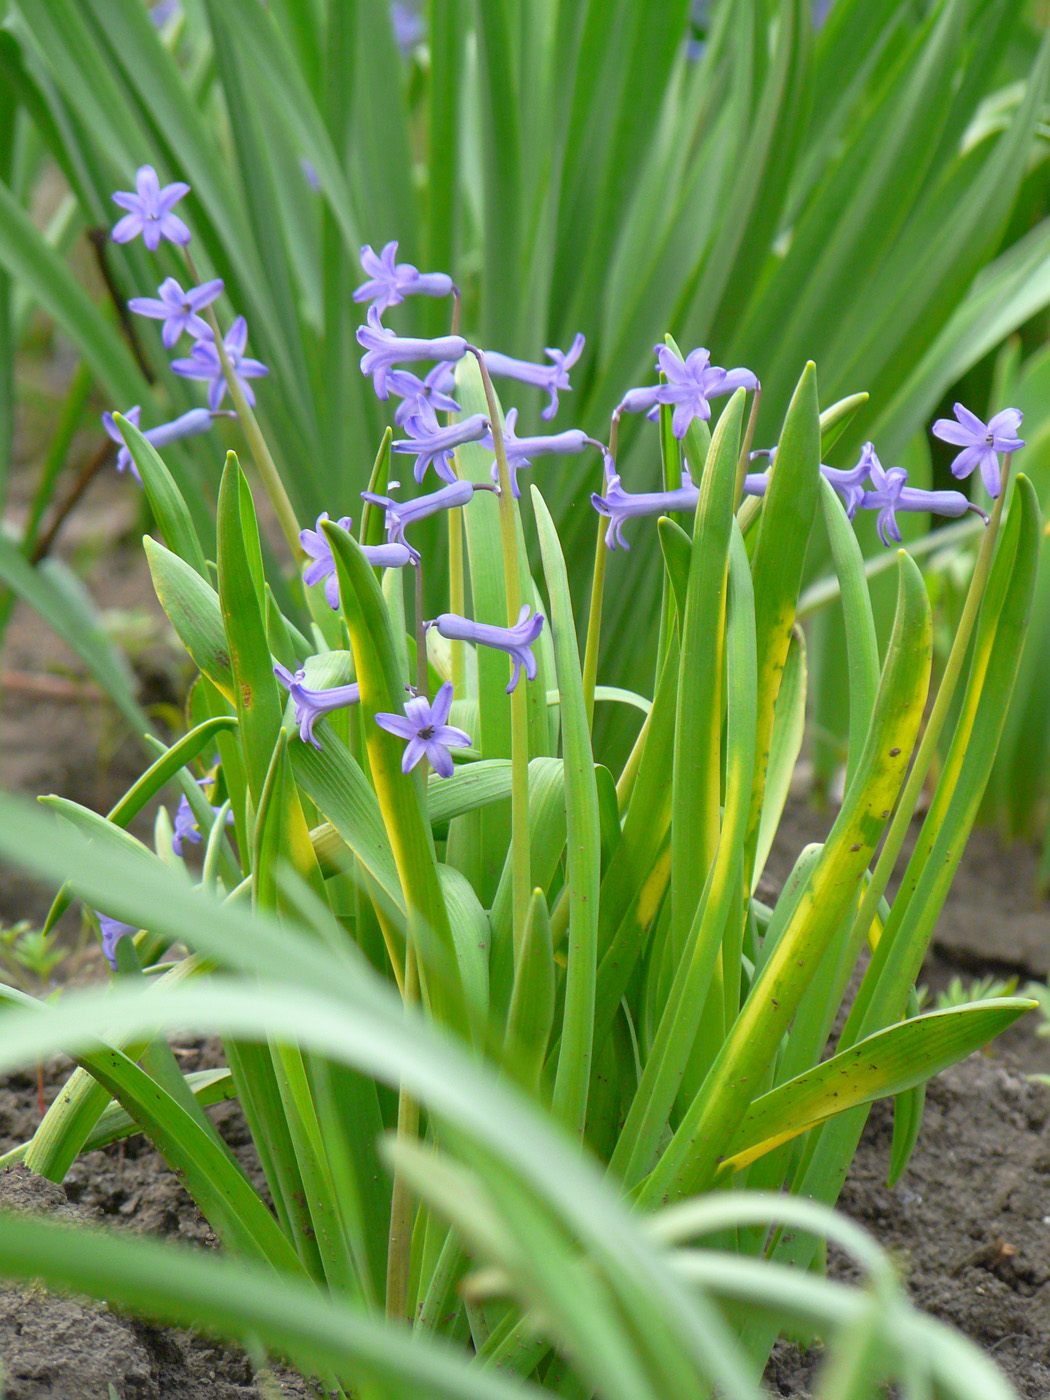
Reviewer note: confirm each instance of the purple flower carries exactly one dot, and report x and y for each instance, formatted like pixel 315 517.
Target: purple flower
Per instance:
pixel 516 641
pixel 620 505
pixel 550 377
pixel 312 705
pixel 178 309
pixel 185 824
pixel 191 424
pixel 692 381
pixel 389 282
pixel 434 445
pixel 520 449
pixel 150 211
pixel 848 483
pixel 892 494
pixel 424 727
pixel 401 514
pixel 645 400
pixel 112 932
pixel 204 363
pixel 381 556
pixel 409 27
pixel 434 391
pixel 384 349
pixel 981 442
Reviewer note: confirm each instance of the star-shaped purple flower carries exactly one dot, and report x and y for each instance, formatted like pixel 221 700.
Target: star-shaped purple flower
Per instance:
pixel 516 641
pixel 150 211
pixel 981 442
pixel 312 705
pixel 389 282
pixel 384 349
pixel 433 445
pixel 380 556
pixel 549 378
pixel 204 363
pixel 620 505
pixel 424 726
pixel 178 309
pixel 892 493
pixel 191 424
pixel 694 380
pixel 519 450
pixel 401 514
pixel 435 391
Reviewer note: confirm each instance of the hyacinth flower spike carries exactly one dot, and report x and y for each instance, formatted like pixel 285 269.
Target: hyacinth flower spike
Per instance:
pixel 620 505
pixel 434 391
pixel 516 641
pixel 312 705
pixel 401 514
pixel 433 445
pixel 692 382
pixel 317 548
pixel 981 442
pixel 150 211
pixel 520 449
pixel 178 309
pixel 204 363
pixel 550 378
pixel 892 493
pixel 384 350
pixel 426 731
pixel 389 281
pixel 191 424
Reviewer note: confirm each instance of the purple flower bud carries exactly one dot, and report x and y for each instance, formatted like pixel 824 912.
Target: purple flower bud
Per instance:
pixel 620 505
pixel 384 349
pixel 981 442
pixel 112 932
pixel 312 705
pixel 434 445
pixel 550 377
pixel 315 544
pixel 150 211
pixel 520 449
pixel 434 391
pixel 204 363
pixel 692 381
pixel 401 514
pixel 426 731
pixel 178 309
pixel 389 282
pixel 892 494
pixel 191 424
pixel 516 641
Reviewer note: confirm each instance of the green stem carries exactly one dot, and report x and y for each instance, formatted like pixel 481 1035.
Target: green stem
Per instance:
pixel 457 598
pixel 898 828
pixel 521 882
pixel 594 616
pixel 264 463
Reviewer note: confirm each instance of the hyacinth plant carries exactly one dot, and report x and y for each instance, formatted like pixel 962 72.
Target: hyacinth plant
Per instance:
pixel 461 968
pixel 751 179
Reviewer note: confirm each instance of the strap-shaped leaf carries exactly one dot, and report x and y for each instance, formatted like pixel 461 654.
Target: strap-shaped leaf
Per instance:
pixel 192 607
pixel 883 1064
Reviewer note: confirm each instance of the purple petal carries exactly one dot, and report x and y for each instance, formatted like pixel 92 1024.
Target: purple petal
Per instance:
pixel 397 724
pixel 414 751
pixel 127 228
pixel 969 420
pixel 951 432
pixel 439 756
pixel 439 710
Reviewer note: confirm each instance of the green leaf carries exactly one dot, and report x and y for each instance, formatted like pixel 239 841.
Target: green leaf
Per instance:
pixel 583 838
pixel 789 728
pixel 886 1063
pixel 165 498
pixel 530 1017
pixel 193 609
